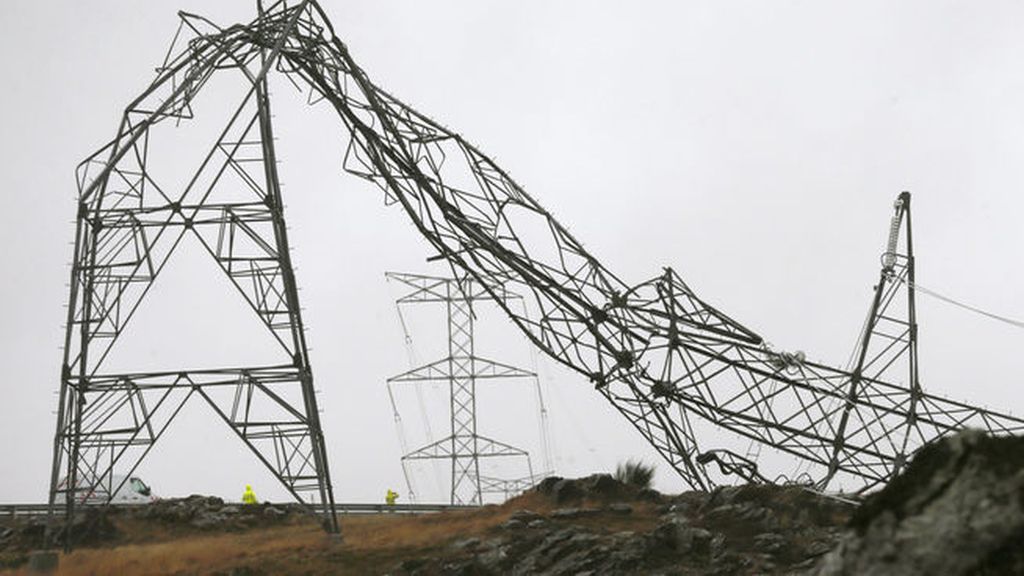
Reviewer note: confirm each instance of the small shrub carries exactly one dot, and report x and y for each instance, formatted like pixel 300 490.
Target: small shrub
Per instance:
pixel 635 473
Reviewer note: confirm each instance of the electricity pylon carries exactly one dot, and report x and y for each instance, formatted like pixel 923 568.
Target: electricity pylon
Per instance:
pixel 461 369
pixel 130 223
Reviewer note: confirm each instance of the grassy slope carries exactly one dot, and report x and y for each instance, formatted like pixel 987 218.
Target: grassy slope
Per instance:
pixel 373 544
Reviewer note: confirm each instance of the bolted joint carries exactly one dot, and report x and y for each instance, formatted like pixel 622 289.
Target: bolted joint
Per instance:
pixel 662 389
pixel 899 460
pixel 618 300
pixel 624 359
pixel 674 341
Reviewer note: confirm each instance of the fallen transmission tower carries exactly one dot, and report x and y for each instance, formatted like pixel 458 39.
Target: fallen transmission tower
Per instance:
pixel 655 350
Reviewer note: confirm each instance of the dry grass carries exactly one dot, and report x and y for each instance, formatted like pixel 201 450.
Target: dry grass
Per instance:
pixel 373 544
pixel 194 554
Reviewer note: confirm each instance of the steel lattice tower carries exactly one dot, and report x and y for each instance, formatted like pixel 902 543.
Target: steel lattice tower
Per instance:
pixel 464 447
pixel 129 225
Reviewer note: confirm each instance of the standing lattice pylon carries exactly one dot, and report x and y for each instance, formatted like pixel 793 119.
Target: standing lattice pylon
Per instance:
pixel 133 217
pixel 461 369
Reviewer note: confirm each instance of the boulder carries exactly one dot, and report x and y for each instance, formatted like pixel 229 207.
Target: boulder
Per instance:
pixel 567 491
pixel 207 520
pixel 619 508
pixel 769 542
pixel 525 515
pixel 512 524
pixel 677 536
pixel 43 561
pixel 465 544
pixel 603 485
pixel 272 512
pixel 569 513
pixel 958 508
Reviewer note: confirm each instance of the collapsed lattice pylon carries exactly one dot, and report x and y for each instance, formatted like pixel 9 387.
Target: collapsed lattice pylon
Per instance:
pixel 656 351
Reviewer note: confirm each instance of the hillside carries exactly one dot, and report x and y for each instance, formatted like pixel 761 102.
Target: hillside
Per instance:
pixel 564 526
pixel 958 509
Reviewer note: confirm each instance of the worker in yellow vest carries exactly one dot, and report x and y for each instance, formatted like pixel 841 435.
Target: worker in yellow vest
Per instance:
pixel 391 497
pixel 249 497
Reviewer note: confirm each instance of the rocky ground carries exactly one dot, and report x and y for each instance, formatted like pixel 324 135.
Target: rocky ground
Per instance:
pixel 958 509
pixel 163 519
pixel 734 530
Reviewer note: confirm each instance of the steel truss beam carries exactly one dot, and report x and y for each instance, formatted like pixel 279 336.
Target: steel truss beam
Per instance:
pixel 461 369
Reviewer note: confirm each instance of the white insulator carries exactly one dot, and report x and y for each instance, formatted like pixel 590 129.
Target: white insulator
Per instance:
pixel 889 259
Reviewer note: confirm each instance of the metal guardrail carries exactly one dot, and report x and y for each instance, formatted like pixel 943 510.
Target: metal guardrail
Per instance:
pixel 19 510
pixel 352 508
pixel 8 511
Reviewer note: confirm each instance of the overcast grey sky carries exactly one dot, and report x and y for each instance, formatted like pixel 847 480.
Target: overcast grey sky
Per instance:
pixel 754 146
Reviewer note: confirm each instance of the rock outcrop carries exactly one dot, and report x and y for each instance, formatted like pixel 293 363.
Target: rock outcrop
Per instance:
pixel 211 513
pixel 733 530
pixel 958 509
pixel 94 527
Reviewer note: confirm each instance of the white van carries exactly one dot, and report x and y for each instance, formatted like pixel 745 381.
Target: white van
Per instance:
pixel 132 491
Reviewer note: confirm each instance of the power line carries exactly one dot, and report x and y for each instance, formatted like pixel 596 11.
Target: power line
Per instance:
pixel 1000 318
